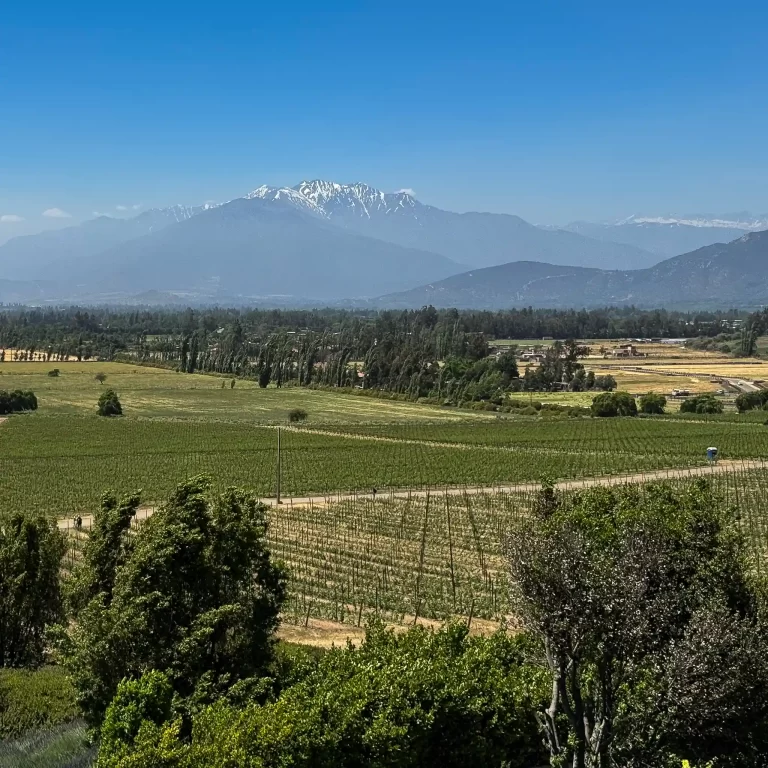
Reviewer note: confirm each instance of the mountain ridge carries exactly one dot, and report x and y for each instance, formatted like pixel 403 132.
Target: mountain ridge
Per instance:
pixel 720 275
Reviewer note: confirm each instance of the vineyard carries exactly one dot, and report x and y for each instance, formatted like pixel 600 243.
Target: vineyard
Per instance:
pixel 438 556
pixel 428 545
pixel 434 555
pixel 62 464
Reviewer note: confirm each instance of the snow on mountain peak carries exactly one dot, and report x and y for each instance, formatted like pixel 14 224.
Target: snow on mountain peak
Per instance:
pixel 294 196
pixel 748 223
pixel 358 198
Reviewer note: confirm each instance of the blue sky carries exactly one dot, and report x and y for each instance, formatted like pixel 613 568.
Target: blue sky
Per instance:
pixel 552 110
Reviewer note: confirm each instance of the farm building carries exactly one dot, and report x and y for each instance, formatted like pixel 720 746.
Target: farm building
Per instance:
pixel 625 350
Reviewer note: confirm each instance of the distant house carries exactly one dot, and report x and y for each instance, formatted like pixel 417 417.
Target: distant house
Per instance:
pixel 532 357
pixel 625 350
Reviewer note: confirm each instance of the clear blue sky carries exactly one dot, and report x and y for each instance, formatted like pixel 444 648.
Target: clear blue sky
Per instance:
pixel 551 110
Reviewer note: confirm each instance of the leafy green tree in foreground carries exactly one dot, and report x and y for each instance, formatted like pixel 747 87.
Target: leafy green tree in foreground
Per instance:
pixel 417 699
pixel 31 549
pixel 652 403
pixel 650 629
pixel 109 404
pixel 195 594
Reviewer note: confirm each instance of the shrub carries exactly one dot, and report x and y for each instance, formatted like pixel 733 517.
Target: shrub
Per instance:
pixel 109 404
pixel 33 699
pixel 101 377
pixel 701 404
pixel 421 698
pixel 54 373
pixel 652 403
pixel 17 401
pixel 296 415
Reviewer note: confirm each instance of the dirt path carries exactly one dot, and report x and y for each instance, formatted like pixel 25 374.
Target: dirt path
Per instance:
pixel 565 485
pixel 522 448
pixel 327 634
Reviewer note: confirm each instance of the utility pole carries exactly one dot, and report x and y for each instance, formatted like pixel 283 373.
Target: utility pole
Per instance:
pixel 278 466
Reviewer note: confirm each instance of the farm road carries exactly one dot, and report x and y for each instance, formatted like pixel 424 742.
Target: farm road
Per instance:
pixel 564 485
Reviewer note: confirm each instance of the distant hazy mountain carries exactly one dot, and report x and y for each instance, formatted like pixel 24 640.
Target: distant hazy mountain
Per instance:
pixel 730 275
pixel 45 255
pixel 322 240
pixel 24 292
pixel 258 247
pixel 478 239
pixel 671 235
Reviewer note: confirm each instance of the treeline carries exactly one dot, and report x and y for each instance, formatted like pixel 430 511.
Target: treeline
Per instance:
pixel 439 355
pixel 644 643
pixel 102 331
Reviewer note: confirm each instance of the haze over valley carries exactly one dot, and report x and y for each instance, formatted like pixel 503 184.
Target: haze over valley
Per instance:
pixel 322 241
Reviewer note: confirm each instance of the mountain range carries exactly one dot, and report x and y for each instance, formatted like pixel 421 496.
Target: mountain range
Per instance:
pixel 722 275
pixel 321 241
pixel 666 236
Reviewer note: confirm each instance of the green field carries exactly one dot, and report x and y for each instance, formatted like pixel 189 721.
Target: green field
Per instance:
pixel 60 459
pixel 61 464
pixel 159 393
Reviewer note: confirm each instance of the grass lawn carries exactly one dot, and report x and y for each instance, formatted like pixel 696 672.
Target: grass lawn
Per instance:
pixel 155 392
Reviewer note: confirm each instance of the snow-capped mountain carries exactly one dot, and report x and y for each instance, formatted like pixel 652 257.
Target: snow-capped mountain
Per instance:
pixel 319 238
pixel 670 235
pixel 742 220
pixel 474 239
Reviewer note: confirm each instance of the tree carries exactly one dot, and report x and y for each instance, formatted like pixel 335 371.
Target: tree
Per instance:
pixel 623 587
pixel 54 373
pixel 652 403
pixel 196 595
pixel 31 549
pixel 107 548
pixel 297 414
pixel 614 404
pixel 704 404
pixel 109 404
pixel 101 377
pixel 748 401
pixel 606 383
